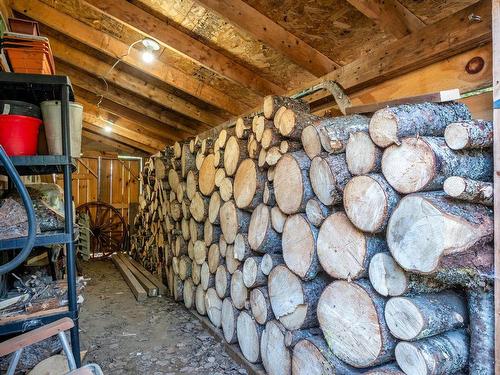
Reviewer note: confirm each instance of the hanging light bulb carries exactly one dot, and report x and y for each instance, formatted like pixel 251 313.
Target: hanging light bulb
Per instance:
pixel 150 46
pixel 108 129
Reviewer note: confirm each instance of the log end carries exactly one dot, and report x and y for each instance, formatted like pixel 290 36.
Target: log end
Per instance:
pixel 383 128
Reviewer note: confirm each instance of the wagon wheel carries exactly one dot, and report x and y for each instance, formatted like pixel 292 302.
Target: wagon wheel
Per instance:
pixel 107 228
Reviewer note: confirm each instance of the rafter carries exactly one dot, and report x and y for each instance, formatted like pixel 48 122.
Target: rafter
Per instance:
pixel 96 67
pixel 266 30
pixel 172 38
pixel 126 99
pixel 390 15
pixel 113 47
pixel 98 138
pixel 5 9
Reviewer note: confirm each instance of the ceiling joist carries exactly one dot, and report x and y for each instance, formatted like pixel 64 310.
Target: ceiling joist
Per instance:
pixel 98 138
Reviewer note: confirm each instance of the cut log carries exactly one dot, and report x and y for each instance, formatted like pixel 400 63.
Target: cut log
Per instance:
pixel 226 189
pixel 276 357
pixel 343 250
pixel 200 301
pixel 222 281
pixel 207 146
pixel 173 179
pixel 351 316
pixel 469 190
pixel 207 279
pixel 184 267
pixel 249 334
pixel 482 331
pixel 222 138
pixel 277 116
pixel 277 219
pixel 390 280
pixel 229 318
pixel 469 134
pixel 294 302
pixel 180 246
pixel 206 179
pixel 387 369
pixel 195 230
pixel 220 174
pixel 213 305
pixel 272 103
pixel 243 127
pixel 211 233
pixel 422 164
pixel 288 146
pixel 261 236
pixel 191 184
pixel 312 356
pixel 185 229
pixel 417 317
pixel 232 263
pixel 269 261
pixel 199 207
pixel 178 289
pixel 241 247
pixel 311 141
pixel 260 305
pixel 214 207
pixel 369 202
pixel 261 160
pixel 390 125
pixel 232 221
pixel 235 152
pixel 175 211
pixel 248 185
pixel 362 155
pixel 181 189
pixel 214 258
pixel 443 354
pixel 292 187
pixel 451 228
pixel 270 138
pixel 199 160
pixel 189 293
pixel 268 197
pixel 273 155
pixel 188 160
pixel 334 132
pixel 329 175
pixel 239 292
pixel 252 273
pixel 291 123
pixel 196 273
pixel 299 246
pixel 199 252
pixel 222 246
pixel 317 212
pixel 259 125
pixel 177 150
pixel 186 214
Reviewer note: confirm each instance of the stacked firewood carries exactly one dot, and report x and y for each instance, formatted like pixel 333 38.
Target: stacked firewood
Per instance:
pixel 342 245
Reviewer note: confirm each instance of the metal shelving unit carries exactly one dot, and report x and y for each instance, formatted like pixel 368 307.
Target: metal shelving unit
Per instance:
pixel 36 88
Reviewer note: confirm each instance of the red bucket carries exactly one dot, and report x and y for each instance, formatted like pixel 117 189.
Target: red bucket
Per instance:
pixel 19 134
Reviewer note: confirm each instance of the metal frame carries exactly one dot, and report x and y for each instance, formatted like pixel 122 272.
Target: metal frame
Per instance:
pixel 36 88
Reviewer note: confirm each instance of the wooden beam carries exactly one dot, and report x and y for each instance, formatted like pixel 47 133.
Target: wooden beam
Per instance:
pixel 129 100
pixel 390 15
pixel 270 33
pixel 113 47
pixel 109 142
pixel 93 66
pixel 495 21
pixel 174 39
pixel 134 285
pixel 5 9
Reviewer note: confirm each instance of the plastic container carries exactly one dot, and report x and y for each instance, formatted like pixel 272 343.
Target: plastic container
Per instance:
pixel 22 26
pixel 19 134
pixel 51 113
pixel 15 107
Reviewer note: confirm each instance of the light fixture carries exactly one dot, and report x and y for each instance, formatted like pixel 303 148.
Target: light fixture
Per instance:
pixel 150 46
pixel 108 129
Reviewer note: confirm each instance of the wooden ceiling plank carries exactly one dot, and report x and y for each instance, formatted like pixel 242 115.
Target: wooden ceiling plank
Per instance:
pixel 96 86
pixel 96 67
pixel 109 142
pixel 390 15
pixel 270 33
pixel 172 38
pixel 113 47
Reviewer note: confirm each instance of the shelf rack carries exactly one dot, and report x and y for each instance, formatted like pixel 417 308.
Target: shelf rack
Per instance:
pixel 34 88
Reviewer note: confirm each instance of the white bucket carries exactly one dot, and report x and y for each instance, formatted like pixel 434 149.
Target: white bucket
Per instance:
pixel 51 113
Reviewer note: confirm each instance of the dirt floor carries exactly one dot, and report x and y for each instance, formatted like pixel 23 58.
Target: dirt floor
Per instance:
pixel 158 336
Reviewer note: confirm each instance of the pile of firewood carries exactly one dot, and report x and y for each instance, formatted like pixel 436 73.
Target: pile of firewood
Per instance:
pixel 341 245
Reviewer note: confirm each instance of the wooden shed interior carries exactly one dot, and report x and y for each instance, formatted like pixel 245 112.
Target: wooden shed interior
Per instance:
pixel 214 61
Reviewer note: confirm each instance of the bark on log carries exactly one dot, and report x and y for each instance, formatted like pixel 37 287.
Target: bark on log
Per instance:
pixel 292 187
pixel 417 317
pixel 388 369
pixel 188 160
pixel 222 281
pixel 191 184
pixel 199 207
pixel 232 263
pixel 213 305
pixel 269 261
pixel 482 331
pixel 272 103
pixel 248 185
pixel 291 123
pixel 443 354
pixel 422 164
pixel 260 305
pixel 229 318
pixel 234 153
pixel 178 289
pixel 389 125
pixel 211 233
pixel 390 280
pixel 243 127
pixel 299 247
pixel 268 197
pixel 351 316
pixel 200 301
pixel 278 219
pixel 328 176
pixel 362 155
pixel 262 238
pixel 252 273
pixel 317 212
pixel 241 247
pixel 369 202
pixel 465 189
pixel 452 228
pixel 469 134
pixel 239 292
pixel 233 221
pixel 214 258
pixel 213 208
pixel 206 178
pixel 293 301
pixel 189 293
pixel 249 333
pixel 334 132
pixel 180 247
pixel 344 251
